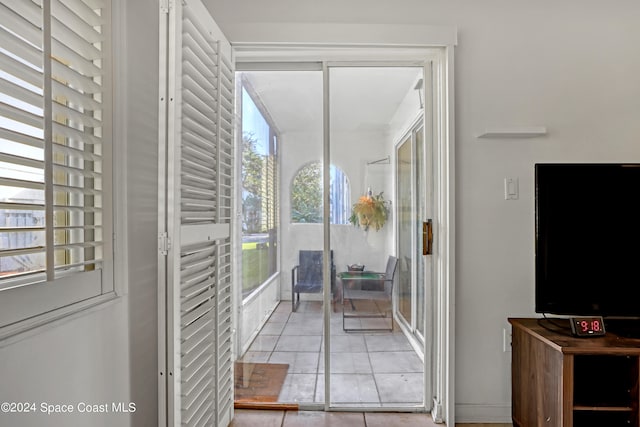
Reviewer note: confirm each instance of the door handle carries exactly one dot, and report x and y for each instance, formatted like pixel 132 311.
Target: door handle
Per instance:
pixel 427 237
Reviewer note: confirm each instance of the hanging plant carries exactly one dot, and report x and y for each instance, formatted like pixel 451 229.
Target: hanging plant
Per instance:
pixel 370 211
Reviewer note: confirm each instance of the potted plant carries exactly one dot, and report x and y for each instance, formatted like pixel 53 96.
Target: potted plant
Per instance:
pixel 370 211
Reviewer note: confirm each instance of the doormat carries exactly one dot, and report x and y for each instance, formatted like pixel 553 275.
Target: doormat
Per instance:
pixel 259 382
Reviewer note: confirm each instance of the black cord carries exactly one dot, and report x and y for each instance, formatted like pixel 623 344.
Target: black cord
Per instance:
pixel 558 328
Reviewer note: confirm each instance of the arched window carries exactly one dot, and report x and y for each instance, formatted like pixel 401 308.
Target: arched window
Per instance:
pixel 306 195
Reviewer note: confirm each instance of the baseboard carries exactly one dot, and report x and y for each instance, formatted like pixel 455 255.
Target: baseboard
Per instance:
pixel 472 413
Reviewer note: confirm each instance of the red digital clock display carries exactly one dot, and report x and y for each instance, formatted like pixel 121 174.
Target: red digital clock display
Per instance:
pixel 587 326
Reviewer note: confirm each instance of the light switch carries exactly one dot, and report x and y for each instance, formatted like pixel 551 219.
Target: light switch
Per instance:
pixel 511 189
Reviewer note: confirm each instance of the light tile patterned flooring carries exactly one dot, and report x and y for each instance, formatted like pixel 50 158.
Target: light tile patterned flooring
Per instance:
pixel 368 369
pixel 254 418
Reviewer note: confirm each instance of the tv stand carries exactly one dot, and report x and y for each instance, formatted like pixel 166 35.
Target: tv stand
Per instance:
pixel 562 381
pixel 629 328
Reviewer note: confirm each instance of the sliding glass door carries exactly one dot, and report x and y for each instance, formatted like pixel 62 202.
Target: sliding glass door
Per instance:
pixel 412 186
pixel 405 208
pixel 280 343
pixel 372 360
pixel 346 250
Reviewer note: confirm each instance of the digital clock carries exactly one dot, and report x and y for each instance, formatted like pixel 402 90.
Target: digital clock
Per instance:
pixel 587 326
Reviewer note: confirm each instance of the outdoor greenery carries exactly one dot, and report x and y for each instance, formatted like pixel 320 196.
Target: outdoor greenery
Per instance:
pixel 254 256
pixel 253 165
pixel 254 260
pixel 259 183
pixel 306 195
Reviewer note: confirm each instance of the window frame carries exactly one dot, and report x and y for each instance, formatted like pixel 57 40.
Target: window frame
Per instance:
pixel 31 301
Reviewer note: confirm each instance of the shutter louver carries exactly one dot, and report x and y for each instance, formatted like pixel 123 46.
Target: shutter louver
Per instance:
pixel 201 183
pixel 77 94
pixel 22 145
pixel 225 203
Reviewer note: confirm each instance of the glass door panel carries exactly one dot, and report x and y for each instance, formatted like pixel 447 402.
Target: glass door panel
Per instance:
pixel 422 275
pixel 405 228
pixel 372 362
pixel 280 142
pixel 412 182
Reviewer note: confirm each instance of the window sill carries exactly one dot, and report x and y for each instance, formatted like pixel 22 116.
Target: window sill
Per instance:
pixel 17 331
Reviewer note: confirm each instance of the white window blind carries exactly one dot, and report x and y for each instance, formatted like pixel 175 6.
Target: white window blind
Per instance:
pixel 55 148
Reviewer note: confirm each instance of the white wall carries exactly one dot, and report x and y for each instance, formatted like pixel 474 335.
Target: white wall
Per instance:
pixel 79 360
pixel 142 176
pixel 571 66
pixel 255 313
pixel 350 152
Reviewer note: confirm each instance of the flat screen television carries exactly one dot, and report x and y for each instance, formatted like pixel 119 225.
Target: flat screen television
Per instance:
pixel 587 254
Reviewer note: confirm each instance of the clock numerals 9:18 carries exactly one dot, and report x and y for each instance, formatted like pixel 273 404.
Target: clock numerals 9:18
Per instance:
pixel 587 326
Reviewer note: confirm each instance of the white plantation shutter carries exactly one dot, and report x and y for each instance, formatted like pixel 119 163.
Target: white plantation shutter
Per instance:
pixel 199 190
pixel 77 132
pixel 55 147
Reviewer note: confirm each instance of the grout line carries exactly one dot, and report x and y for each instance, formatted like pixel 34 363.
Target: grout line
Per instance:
pixel 321 360
pixel 373 374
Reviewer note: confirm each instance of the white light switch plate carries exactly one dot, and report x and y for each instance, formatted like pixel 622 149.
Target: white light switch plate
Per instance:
pixel 511 191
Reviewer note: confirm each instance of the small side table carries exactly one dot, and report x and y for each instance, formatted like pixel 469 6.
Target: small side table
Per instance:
pixel 365 285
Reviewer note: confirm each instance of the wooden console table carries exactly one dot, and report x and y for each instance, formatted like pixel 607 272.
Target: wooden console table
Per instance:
pixel 562 381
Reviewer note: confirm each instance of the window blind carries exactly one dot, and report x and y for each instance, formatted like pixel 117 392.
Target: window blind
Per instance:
pixel 53 139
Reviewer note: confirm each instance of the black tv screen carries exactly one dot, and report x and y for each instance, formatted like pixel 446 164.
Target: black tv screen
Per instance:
pixel 588 239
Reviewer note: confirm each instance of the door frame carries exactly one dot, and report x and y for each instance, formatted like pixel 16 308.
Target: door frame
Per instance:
pixel 440 54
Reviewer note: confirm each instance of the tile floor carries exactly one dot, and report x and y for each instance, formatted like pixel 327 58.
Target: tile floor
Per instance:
pixel 372 369
pixel 252 418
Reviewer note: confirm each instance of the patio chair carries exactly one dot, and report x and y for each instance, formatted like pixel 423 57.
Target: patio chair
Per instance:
pixel 306 277
pixel 371 286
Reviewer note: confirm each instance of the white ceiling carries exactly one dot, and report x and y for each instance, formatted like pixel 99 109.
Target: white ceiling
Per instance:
pixel 361 99
pixel 292 98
